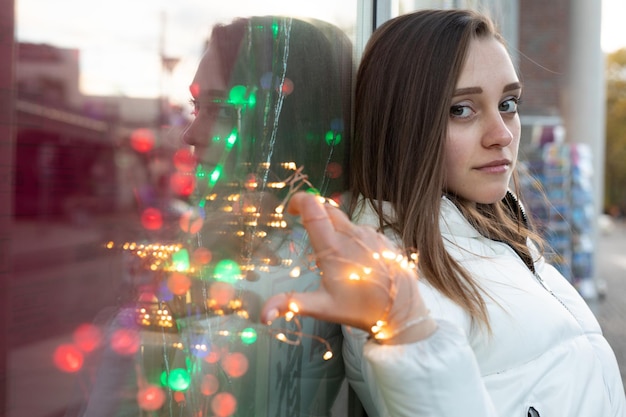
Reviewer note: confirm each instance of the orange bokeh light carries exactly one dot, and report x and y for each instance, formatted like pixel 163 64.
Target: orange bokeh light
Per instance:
pixel 178 283
pixel 224 404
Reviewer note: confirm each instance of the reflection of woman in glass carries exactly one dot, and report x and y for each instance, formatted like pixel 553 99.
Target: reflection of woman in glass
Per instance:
pixel 271 97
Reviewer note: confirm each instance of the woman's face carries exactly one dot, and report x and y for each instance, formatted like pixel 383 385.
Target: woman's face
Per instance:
pixel 214 120
pixel 484 126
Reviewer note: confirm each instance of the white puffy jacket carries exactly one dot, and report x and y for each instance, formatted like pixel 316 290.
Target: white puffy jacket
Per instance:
pixel 546 355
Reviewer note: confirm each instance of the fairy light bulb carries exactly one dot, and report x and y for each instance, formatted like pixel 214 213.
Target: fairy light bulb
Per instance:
pixel 327 355
pixel 295 272
pixel 389 255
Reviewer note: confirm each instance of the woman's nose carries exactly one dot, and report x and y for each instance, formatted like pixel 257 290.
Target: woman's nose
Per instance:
pixel 190 135
pixel 497 132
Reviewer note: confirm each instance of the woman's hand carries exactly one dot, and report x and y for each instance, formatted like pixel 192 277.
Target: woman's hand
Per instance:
pixel 366 282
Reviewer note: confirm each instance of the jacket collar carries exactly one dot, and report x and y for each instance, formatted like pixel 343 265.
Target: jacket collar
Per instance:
pixel 451 221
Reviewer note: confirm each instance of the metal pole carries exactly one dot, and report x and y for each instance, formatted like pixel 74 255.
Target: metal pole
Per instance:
pixel 585 103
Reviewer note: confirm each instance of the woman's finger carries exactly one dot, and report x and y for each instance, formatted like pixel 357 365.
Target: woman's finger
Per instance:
pixel 315 219
pixel 314 304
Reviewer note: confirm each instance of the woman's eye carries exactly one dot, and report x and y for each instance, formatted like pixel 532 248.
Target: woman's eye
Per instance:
pixel 509 105
pixel 227 112
pixel 194 103
pixel 460 111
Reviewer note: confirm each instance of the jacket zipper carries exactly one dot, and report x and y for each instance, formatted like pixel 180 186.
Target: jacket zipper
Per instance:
pixel 531 265
pixel 545 286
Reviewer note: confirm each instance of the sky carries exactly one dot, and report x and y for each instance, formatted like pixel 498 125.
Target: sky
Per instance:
pixel 120 40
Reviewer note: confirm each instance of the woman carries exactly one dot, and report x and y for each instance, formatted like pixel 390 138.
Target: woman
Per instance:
pixel 489 329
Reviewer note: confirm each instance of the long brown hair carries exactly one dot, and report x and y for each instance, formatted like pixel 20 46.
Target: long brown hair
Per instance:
pixel 404 83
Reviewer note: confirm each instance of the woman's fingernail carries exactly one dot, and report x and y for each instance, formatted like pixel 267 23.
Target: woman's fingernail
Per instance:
pixel 271 316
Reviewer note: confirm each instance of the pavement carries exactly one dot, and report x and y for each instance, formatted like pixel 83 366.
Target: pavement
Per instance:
pixel 610 306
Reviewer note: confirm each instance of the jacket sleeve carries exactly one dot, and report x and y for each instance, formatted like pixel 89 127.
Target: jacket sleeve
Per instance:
pixel 437 376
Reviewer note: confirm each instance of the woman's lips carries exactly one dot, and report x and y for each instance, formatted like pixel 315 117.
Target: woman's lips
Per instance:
pixel 495 167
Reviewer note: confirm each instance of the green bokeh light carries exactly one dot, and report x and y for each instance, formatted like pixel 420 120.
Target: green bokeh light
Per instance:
pixel 227 270
pixel 231 139
pixel 179 379
pixel 215 175
pixel 333 138
pixel 200 172
pixel 248 336
pixel 241 96
pixel 180 260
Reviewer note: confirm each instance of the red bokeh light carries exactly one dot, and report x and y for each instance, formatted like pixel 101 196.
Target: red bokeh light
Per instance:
pixel 235 364
pixel 142 140
pixel 125 341
pixel 194 89
pixel 224 404
pixel 151 219
pixel 190 222
pixel 178 283
pixel 209 385
pixel 150 398
pixel 68 358
pixel 179 396
pixel 184 160
pixel 287 87
pixel 212 357
pixel 221 292
pixel 87 337
pixel 182 184
pixel 334 170
pixel 202 256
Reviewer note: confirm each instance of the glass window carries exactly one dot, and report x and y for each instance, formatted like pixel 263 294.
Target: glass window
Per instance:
pixel 154 147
